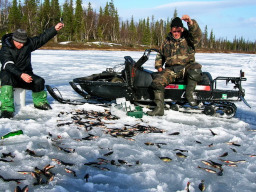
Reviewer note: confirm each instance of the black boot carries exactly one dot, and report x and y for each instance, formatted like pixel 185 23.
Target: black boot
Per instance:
pixel 189 92
pixel 159 100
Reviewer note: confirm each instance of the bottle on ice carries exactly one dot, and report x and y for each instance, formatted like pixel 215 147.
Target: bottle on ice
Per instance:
pixel 10 134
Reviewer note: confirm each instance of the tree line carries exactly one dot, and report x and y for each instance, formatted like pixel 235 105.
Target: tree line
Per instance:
pixel 86 24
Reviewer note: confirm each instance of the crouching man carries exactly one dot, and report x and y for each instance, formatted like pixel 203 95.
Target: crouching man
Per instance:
pixel 16 69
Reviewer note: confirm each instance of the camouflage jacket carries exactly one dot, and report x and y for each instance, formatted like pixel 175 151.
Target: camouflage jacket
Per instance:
pixel 181 51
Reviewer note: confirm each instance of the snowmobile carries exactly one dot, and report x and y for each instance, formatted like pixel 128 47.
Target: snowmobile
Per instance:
pixel 134 84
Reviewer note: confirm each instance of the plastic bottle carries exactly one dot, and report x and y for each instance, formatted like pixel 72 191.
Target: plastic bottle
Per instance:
pixel 10 134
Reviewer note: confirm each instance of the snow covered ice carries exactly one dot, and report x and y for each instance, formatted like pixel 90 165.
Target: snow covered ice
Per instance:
pixel 144 171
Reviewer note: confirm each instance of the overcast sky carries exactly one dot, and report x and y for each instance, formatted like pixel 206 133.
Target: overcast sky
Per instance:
pixel 227 18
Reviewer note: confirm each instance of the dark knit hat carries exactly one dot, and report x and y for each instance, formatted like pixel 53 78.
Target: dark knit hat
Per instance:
pixel 20 35
pixel 176 22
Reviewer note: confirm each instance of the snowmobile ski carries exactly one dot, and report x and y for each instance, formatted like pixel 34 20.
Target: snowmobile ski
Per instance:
pixel 58 97
pixel 79 91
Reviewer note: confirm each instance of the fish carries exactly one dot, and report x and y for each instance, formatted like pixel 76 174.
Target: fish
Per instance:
pixel 4 155
pixel 102 168
pixel 109 153
pixel 24 189
pixel 9 180
pixel 207 163
pixel 213 132
pixel 181 150
pixel 86 177
pixel 32 153
pixel 102 160
pixel 250 155
pixel 4 160
pixel 233 143
pixel 233 150
pixel 198 142
pixel 187 187
pixel 212 164
pixel 216 165
pixel 174 133
pixel 113 162
pixel 67 150
pixel 63 124
pixel 25 172
pixel 122 161
pixel 70 171
pixel 48 167
pixel 233 162
pixel 201 186
pixel 149 143
pixel 210 145
pixel 62 162
pixel 93 163
pixel 165 159
pixel 39 179
pixel 181 155
pixel 90 137
pixel 208 170
pixel 224 154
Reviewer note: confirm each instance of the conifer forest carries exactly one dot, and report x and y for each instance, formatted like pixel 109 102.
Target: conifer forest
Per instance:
pixel 86 25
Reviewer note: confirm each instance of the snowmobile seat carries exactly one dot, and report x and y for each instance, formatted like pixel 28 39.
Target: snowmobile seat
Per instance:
pixel 206 79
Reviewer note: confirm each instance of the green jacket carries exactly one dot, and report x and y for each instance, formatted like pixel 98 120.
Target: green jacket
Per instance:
pixel 181 51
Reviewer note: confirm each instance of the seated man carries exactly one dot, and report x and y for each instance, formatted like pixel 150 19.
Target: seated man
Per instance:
pixel 16 70
pixel 178 55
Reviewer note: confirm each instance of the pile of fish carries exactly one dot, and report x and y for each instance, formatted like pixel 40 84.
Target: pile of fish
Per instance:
pixel 88 121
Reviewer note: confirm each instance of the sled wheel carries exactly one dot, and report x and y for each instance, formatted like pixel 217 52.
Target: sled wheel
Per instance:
pixel 174 107
pixel 117 80
pixel 209 110
pixel 230 111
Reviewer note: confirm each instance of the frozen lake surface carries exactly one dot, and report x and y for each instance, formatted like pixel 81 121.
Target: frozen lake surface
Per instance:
pixel 118 164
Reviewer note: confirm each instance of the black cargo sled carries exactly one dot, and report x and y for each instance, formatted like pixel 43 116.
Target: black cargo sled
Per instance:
pixel 134 83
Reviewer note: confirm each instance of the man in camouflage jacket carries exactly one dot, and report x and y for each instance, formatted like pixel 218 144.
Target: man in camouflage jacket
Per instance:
pixel 177 53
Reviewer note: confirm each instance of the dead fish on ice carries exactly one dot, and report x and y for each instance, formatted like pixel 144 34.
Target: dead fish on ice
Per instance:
pixel 224 154
pixel 212 164
pixel 62 162
pixel 201 186
pixel 8 180
pixel 24 189
pixel 220 173
pixel 213 132
pixel 165 159
pixel 181 155
pixel 86 177
pixel 174 133
pixel 70 171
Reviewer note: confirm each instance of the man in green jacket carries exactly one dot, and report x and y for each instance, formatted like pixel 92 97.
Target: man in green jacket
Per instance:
pixel 177 53
pixel 16 69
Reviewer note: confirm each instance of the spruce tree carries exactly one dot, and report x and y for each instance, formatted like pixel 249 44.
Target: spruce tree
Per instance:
pixel 14 16
pixel 78 20
pixel 30 16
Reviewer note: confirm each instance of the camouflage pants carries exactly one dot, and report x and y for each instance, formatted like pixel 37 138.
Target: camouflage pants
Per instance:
pixel 168 75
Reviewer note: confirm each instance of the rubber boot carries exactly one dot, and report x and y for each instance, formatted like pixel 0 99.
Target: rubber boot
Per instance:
pixel 40 100
pixel 191 85
pixel 7 102
pixel 159 100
